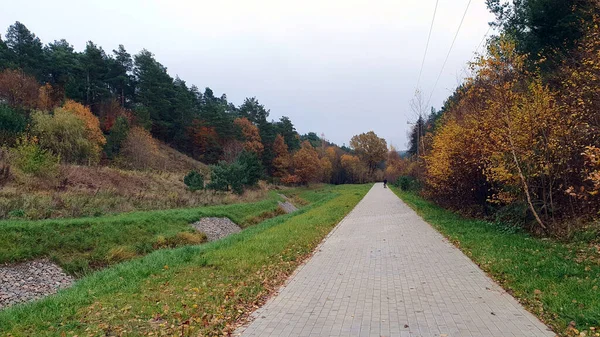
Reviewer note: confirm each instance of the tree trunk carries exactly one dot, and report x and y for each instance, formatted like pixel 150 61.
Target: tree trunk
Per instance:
pixel 523 181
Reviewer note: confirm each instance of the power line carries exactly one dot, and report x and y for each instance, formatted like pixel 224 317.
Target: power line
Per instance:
pixel 449 51
pixel 427 45
pixel 483 39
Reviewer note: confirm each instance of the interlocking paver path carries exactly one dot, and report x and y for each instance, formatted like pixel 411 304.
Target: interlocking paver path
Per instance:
pixel 383 271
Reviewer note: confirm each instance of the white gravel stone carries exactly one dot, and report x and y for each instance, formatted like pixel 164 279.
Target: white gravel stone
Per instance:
pixel 216 228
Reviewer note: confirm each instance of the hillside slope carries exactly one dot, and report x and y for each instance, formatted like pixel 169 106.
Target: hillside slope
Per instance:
pixel 79 190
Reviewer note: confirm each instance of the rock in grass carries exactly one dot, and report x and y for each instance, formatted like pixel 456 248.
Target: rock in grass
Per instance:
pixel 287 207
pixel 216 228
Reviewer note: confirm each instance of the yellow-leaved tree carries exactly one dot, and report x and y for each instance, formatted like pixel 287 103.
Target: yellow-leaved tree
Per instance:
pixel 72 132
pixel 370 148
pixel 91 122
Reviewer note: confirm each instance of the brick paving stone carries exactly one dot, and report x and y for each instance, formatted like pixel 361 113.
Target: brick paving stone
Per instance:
pixel 383 271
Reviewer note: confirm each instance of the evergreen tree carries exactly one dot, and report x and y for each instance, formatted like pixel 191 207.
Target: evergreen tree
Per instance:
pixel 253 169
pixel 27 51
pixel 217 113
pixel 95 65
pixel 5 55
pixel 119 75
pixel 312 138
pixel 544 29
pixel 155 91
pixel 116 137
pixel 286 129
pixel 257 114
pixel 415 137
pixel 63 63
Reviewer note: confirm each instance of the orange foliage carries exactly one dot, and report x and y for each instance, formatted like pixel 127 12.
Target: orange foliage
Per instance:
pixel 395 166
pixel 91 122
pixel 282 160
pixel 251 135
pixel 49 97
pixel 355 167
pixel 307 165
pixel 291 180
pixel 326 169
pixel 204 138
pixel 109 111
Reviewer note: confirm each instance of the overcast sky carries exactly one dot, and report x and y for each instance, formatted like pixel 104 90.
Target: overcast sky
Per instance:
pixel 334 67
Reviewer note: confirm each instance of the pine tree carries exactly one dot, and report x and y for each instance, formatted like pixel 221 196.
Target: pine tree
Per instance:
pixel 27 51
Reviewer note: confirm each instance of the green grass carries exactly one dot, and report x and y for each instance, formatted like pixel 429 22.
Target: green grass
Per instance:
pixel 556 281
pixel 192 290
pixel 85 244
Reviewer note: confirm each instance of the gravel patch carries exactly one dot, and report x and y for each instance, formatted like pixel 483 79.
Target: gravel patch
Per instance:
pixel 30 280
pixel 216 228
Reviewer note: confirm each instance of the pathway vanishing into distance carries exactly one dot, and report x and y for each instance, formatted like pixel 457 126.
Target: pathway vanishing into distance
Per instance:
pixel 383 271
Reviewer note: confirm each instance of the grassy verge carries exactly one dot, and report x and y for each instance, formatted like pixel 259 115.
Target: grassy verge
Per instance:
pixel 556 281
pixel 81 245
pixel 193 290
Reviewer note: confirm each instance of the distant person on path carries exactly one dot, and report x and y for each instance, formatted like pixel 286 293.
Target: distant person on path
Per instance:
pixel 385 183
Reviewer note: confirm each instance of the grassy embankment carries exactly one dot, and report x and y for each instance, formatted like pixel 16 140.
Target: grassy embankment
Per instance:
pixel 84 244
pixel 556 281
pixel 193 290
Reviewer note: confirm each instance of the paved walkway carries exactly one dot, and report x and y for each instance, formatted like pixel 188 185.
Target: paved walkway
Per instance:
pixel 383 271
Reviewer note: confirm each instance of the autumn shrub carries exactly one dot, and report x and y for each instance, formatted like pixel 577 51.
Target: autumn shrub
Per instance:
pixel 31 158
pixel 18 89
pixel 194 181
pixel 291 179
pixel 91 122
pixel 139 151
pixel 65 135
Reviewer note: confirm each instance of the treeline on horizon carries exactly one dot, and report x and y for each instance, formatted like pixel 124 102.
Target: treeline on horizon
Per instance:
pixel 119 103
pixel 519 140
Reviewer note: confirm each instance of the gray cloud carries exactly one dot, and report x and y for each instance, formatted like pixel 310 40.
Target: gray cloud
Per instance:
pixel 334 67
